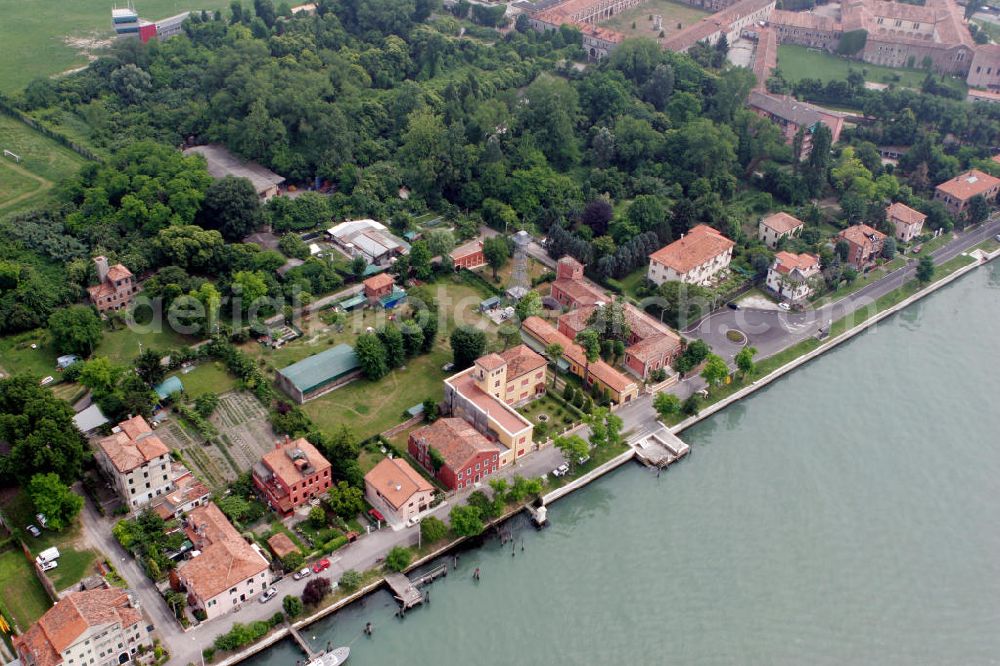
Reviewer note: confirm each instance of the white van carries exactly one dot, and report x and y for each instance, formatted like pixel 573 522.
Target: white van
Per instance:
pixel 47 555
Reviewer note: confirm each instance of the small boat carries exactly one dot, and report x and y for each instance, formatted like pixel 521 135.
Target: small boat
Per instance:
pixel 334 657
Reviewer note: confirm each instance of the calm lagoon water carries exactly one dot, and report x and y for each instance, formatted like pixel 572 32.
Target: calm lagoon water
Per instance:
pixel 847 514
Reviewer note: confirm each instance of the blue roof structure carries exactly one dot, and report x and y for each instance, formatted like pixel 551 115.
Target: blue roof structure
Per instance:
pixel 168 386
pixel 327 366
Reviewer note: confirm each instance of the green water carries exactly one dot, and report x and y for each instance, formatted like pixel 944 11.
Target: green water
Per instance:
pixel 846 514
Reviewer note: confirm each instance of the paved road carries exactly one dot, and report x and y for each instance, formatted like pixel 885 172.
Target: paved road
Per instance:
pixel 186 647
pixel 771 331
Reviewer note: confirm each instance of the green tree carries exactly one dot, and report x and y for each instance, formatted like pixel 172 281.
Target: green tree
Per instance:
pixel 345 500
pixel 440 242
pixel 232 207
pixel 715 370
pixel 249 286
pixel 350 580
pixel 467 344
pixel 395 348
pixel 591 343
pixel 666 404
pixel 372 356
pixel 573 448
pixel 292 605
pixel 100 375
pixel 54 500
pixel 432 529
pixel 925 269
pixel 529 306
pixel 317 517
pixel 205 404
pixel 466 521
pixel 398 558
pixel 291 245
pixel 554 353
pixel 420 260
pixel 149 367
pixel 744 361
pixel 605 427
pixel 977 211
pixel 75 330
pixel 496 252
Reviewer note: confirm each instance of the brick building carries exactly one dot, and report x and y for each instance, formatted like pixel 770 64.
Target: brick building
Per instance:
pixel 470 255
pixel 116 287
pixel 864 243
pixel 291 475
pixel 465 456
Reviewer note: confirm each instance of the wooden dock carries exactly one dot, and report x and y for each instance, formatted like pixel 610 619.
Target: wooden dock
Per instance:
pixel 302 643
pixel 660 448
pixel 406 593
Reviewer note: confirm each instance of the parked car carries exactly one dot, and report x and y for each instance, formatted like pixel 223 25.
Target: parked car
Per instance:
pixel 447 367
pixel 47 555
pixel 33 531
pixel 582 460
pixel 303 573
pixel 49 566
pixel 42 520
pixel 269 593
pixel 322 565
pixel 561 470
pixel 784 306
pixel 48 380
pixel 997 238
pixel 733 306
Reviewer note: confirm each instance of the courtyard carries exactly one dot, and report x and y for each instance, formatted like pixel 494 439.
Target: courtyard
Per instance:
pixel 676 16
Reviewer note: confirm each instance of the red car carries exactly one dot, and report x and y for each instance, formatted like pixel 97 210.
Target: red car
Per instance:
pixel 322 565
pixel 376 514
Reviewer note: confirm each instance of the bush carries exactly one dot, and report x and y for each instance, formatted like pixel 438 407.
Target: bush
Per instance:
pixel 350 580
pixel 277 619
pixel 433 529
pixel 398 558
pixel 335 543
pixel 292 605
pixel 292 561
pixel 315 590
pixel 208 653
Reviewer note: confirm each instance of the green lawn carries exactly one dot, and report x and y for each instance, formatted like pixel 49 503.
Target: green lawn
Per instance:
pixel 74 565
pixel 43 163
pixel 863 280
pixel 632 281
pixel 43 39
pixel 16 354
pixel 369 408
pixel 123 345
pixel 207 377
pixel 673 13
pixel 21 594
pixel 798 62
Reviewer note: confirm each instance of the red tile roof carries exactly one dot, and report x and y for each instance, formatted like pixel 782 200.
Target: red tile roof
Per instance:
pixel 133 446
pixel 698 246
pixel 782 223
pixel 521 360
pixel 904 214
pixel 861 234
pixel 466 250
pixel 226 558
pixel 287 469
pixel 376 282
pixel 786 262
pixel 64 623
pixel 396 481
pixel 456 441
pixel 465 384
pixel 490 362
pixel 118 272
pixel 968 185
pixel 544 332
pixel 281 545
pixel 581 292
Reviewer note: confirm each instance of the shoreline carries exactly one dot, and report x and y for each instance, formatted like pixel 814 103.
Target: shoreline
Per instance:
pixel 982 258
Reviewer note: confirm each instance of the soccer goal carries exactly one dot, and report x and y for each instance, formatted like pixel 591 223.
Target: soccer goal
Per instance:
pixel 13 156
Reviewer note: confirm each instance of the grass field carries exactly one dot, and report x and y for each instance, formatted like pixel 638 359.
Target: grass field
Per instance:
pixel 798 62
pixel 208 377
pixel 20 591
pixel 44 39
pixel 43 164
pixel 672 13
pixel 122 346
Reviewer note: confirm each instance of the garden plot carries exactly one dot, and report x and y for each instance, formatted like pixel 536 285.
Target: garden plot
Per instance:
pixel 244 435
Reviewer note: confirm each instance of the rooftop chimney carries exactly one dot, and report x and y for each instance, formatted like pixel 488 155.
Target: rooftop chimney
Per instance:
pixel 102 268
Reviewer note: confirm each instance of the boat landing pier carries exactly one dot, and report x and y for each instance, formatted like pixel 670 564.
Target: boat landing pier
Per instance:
pixel 406 593
pixel 660 448
pixel 302 643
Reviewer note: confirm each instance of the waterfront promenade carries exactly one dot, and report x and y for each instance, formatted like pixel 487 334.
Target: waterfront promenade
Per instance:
pixel 639 419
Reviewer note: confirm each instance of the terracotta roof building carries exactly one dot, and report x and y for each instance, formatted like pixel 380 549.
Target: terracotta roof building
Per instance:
pixel 908 222
pixel 397 490
pixel 791 275
pixel 102 627
pixel 470 255
pixel 466 457
pixel 224 570
pixel 378 286
pixel 791 115
pixel 281 545
pixel 540 334
pixel 864 243
pixel 291 475
pixel 136 461
pixel 956 193
pixel 776 226
pixel 187 493
pixel 695 258
pixel 115 289
pixel 484 393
